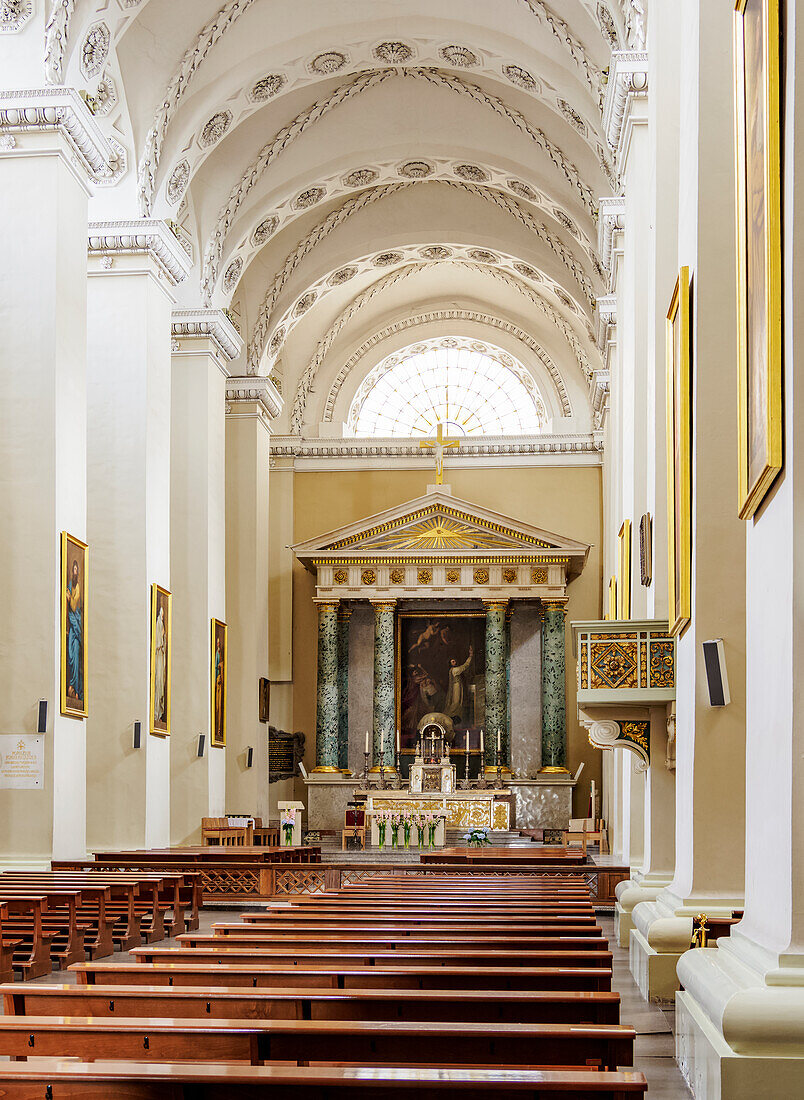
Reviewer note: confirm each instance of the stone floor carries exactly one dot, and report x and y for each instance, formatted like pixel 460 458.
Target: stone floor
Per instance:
pixel 654 1044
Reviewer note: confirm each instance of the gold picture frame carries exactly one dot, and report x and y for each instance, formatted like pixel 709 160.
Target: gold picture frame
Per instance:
pixel 73 647
pixel 218 682
pixel 161 670
pixel 679 449
pixel 624 571
pixel 757 54
pixel 611 613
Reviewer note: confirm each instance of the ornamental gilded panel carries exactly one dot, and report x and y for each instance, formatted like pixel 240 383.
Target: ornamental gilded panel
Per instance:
pixel 613 664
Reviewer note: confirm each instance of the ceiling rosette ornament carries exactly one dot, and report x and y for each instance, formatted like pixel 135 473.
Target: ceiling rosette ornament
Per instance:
pixel 459 56
pixel 177 184
pixel 232 274
pixel 521 77
pixel 415 169
pixel 214 129
pixel 471 172
pixel 265 229
pixel 361 177
pixel 309 198
pixel 393 53
pixel 330 62
pixel 14 14
pixel 267 87
pixel 94 49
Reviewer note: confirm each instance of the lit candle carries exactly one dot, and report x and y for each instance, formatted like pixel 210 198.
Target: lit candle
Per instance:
pixel 367 740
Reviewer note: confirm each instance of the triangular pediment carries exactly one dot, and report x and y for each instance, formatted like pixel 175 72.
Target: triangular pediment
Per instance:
pixel 436 523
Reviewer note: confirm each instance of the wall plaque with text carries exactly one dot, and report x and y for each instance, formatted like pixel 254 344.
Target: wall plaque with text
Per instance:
pixel 285 753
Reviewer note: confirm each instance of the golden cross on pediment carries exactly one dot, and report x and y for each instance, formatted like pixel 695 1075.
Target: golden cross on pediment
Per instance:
pixel 438 446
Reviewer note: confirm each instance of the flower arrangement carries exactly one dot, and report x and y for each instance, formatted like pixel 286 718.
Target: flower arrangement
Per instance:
pixel 288 822
pixel 477 838
pixel 382 825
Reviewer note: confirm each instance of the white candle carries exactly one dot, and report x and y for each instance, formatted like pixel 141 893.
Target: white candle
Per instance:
pixel 482 746
pixel 367 740
pixel 498 742
pixel 467 742
pixel 398 742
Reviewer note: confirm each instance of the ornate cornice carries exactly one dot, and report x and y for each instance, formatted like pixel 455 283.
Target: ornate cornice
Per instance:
pixel 140 237
pixel 210 323
pixel 610 220
pixel 628 80
pixel 255 389
pixel 606 320
pixel 361 447
pixel 62 110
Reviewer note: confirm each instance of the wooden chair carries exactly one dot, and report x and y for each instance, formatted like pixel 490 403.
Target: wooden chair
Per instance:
pixel 583 831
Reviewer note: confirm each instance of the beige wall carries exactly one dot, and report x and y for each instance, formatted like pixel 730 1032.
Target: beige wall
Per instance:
pixel 565 500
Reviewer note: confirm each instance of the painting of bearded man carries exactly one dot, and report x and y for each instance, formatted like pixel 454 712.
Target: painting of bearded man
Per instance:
pixel 73 626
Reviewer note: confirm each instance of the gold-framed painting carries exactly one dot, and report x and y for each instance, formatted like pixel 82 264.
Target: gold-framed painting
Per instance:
pixel 757 55
pixel 679 450
pixel 611 610
pixel 218 682
pixel 440 669
pixel 161 672
pixel 624 571
pixel 73 678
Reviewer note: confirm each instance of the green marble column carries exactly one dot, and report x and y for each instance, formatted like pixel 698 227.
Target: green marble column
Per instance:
pixel 384 703
pixel 496 683
pixel 343 688
pixel 326 719
pixel 554 705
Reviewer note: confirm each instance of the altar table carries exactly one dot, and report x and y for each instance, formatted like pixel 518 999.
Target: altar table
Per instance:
pixel 475 809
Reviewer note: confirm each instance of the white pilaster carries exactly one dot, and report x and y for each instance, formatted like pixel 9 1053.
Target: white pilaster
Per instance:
pixel 252 402
pixel 132 268
pixel 740 1017
pixel 204 343
pixel 45 158
pixel 710 760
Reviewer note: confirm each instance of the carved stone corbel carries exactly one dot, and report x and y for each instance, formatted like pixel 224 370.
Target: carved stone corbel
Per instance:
pixel 670 756
pixel 609 734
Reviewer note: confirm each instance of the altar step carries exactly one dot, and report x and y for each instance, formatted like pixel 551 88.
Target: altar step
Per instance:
pixel 331 851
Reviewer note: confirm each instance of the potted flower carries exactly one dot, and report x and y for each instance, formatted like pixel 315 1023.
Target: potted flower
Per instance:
pixel 407 823
pixel 396 821
pixel 288 822
pixel 477 838
pixel 382 825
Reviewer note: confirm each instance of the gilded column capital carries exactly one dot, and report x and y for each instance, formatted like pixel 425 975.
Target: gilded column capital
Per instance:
pixel 496 605
pixel 555 605
pixel 327 605
pixel 383 605
pixel 344 613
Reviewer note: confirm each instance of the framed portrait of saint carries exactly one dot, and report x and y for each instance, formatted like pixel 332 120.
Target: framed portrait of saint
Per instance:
pixel 74 563
pixel 679 444
pixel 757 54
pixel 161 674
pixel 217 673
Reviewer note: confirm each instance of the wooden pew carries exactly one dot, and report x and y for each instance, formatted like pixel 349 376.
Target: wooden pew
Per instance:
pixel 401 926
pixel 364 1042
pixel 477 1006
pixel 585 956
pixel 258 975
pixel 167 1081
pixel 179 890
pixel 30 953
pixel 389 941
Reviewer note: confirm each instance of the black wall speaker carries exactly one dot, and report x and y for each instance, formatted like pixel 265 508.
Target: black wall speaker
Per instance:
pixel 201 739
pixel 249 757
pixel 137 734
pixel 716 676
pixel 41 720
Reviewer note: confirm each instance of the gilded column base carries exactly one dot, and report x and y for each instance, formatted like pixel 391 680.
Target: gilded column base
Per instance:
pixel 549 769
pixel 326 768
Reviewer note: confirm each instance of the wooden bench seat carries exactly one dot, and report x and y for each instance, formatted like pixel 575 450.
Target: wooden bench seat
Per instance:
pixel 556 939
pixel 376 957
pixel 365 1042
pixel 167 1081
pixel 269 976
pixel 478 1006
